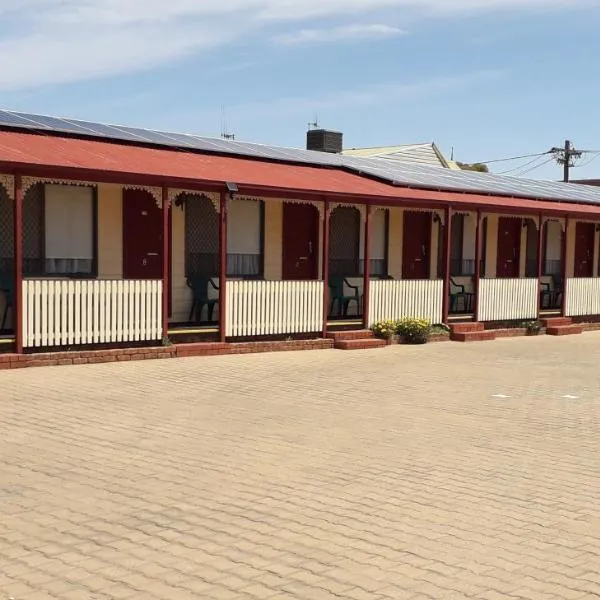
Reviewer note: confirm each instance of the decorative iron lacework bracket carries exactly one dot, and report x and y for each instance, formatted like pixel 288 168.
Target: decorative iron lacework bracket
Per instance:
pixel 8 182
pixel 155 192
pixel 28 182
pixel 560 221
pixel 320 206
pixel 212 196
pixel 361 208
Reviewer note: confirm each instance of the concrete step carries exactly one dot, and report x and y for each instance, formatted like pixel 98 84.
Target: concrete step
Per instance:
pixel 556 321
pixel 473 336
pixel 360 344
pixel 466 327
pixel 350 335
pixel 565 330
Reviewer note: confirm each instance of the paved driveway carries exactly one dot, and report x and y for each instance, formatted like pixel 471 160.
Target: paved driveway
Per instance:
pixel 446 471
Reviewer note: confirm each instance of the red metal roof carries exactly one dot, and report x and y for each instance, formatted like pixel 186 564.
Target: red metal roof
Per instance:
pixel 46 155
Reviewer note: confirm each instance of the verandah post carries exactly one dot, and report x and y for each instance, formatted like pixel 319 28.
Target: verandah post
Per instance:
pixel 18 257
pixel 166 243
pixel 447 252
pixel 565 241
pixel 222 266
pixel 477 278
pixel 367 267
pixel 540 262
pixel 325 266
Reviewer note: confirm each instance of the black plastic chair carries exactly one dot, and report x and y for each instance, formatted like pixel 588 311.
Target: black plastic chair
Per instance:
pixel 199 284
pixel 458 295
pixel 337 294
pixel 7 287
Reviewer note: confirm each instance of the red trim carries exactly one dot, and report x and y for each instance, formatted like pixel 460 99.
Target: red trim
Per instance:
pixel 325 267
pixel 165 260
pixel 447 251
pixel 540 260
pixel 478 254
pixel 18 252
pixel 222 266
pixel 367 267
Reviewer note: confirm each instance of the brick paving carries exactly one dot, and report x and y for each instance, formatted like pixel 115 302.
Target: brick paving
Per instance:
pixel 444 471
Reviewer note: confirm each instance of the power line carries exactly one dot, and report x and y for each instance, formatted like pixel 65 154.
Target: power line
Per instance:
pixel 535 167
pixel 591 160
pixel 487 162
pixel 524 166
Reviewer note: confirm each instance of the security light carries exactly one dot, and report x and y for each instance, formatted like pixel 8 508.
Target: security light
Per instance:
pixel 232 188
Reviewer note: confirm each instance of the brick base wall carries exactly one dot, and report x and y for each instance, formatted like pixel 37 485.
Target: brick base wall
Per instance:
pixel 47 359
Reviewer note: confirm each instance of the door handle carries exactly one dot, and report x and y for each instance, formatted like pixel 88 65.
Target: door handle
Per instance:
pixel 303 258
pixel 152 254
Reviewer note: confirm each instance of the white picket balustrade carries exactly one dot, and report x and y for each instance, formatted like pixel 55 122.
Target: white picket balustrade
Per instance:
pixel 60 312
pixel 259 308
pixel 395 299
pixel 582 296
pixel 507 299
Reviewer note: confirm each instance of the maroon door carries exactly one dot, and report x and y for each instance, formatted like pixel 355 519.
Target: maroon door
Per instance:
pixel 300 241
pixel 142 236
pixel 416 244
pixel 585 235
pixel 509 247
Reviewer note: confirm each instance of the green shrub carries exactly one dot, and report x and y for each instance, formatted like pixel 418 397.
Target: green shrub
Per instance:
pixel 414 331
pixel 384 329
pixel 533 327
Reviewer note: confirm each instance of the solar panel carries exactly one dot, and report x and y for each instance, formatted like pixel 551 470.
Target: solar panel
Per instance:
pixel 11 119
pixel 395 172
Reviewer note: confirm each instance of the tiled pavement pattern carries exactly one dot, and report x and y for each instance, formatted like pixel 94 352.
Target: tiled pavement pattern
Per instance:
pixel 383 474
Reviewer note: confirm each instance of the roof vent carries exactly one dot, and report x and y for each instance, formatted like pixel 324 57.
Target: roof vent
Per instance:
pixel 324 141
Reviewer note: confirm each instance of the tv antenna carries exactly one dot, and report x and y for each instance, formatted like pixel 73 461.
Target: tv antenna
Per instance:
pixel 314 124
pixel 225 133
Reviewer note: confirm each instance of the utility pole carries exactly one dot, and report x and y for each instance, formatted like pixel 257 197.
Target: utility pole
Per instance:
pixel 565 157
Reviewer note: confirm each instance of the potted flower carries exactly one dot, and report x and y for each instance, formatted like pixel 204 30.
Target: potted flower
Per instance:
pixel 414 331
pixel 384 329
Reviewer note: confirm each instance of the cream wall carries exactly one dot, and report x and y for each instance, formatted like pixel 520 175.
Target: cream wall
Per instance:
pixel 110 231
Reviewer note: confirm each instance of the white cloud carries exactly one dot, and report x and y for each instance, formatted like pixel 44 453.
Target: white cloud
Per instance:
pixel 372 95
pixel 58 41
pixel 337 34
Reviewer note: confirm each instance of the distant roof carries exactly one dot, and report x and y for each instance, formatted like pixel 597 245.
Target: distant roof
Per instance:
pixel 423 154
pixel 411 176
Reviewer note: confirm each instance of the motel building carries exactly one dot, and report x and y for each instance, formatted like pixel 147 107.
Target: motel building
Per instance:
pixel 114 237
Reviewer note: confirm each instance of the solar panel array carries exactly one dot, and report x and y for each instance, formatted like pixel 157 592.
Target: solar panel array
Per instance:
pixel 404 174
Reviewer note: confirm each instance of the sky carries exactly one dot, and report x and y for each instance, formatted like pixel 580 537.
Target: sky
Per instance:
pixel 490 79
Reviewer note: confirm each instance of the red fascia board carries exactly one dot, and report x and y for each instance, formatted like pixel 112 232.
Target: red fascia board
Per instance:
pixel 71 158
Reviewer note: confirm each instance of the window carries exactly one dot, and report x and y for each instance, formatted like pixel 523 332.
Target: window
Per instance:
pixel 245 228
pixel 552 248
pixel 379 244
pixel 462 246
pixel 344 243
pixel 59 231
